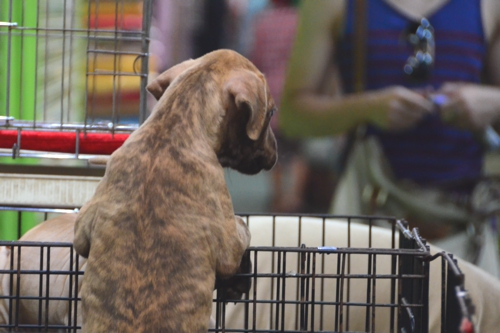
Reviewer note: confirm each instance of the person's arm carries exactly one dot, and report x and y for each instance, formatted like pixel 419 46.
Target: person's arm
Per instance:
pixel 305 112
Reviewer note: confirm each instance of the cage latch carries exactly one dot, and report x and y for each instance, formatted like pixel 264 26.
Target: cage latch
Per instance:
pixel 411 316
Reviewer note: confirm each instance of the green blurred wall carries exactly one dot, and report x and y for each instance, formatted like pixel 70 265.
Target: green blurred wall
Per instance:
pixel 18 59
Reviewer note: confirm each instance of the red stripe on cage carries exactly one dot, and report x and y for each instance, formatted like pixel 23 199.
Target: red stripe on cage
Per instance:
pixel 64 142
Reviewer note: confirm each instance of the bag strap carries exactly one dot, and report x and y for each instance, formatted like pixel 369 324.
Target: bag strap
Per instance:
pixel 359 56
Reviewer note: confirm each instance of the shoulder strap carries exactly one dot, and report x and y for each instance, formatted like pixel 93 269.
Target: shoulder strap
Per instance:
pixel 359 54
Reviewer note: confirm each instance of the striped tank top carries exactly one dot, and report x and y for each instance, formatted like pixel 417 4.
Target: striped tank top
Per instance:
pixel 432 153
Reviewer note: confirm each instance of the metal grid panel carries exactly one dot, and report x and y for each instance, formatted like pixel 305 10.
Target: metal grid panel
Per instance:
pixel 364 284
pixel 41 300
pixel 71 65
pixel 316 288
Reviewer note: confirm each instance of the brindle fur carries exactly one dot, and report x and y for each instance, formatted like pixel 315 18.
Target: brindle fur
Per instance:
pixel 161 224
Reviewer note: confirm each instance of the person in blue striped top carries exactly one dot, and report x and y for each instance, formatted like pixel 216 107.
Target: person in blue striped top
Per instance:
pixel 430 87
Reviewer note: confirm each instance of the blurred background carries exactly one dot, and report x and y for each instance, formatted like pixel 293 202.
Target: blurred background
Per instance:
pixel 82 66
pixel 73 62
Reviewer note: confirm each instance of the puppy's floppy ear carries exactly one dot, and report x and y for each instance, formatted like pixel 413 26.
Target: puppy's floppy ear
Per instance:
pixel 249 93
pixel 158 86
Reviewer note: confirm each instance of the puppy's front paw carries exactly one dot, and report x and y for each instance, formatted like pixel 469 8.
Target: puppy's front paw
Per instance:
pixel 237 285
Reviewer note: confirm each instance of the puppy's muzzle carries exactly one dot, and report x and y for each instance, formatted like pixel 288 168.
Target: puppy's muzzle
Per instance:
pixel 258 163
pixel 262 156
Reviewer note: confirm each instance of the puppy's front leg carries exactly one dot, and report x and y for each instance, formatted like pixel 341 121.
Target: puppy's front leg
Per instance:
pixel 234 241
pixel 243 231
pixel 235 287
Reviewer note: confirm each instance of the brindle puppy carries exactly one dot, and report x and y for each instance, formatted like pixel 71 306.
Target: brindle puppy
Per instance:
pixel 161 225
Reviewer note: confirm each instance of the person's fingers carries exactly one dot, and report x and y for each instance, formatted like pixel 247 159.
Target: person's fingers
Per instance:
pixel 450 88
pixel 449 111
pixel 418 103
pixel 405 118
pixel 407 108
pixel 453 112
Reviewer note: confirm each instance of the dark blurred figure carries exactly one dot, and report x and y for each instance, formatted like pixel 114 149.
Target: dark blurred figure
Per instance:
pixel 211 34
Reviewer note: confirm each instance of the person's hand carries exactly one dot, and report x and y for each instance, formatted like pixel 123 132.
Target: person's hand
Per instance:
pixel 470 106
pixel 398 108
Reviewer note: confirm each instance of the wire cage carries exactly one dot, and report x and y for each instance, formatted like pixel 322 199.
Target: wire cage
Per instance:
pixel 74 73
pixel 309 274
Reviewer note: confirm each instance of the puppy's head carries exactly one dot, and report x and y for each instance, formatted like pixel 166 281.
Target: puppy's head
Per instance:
pixel 245 141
